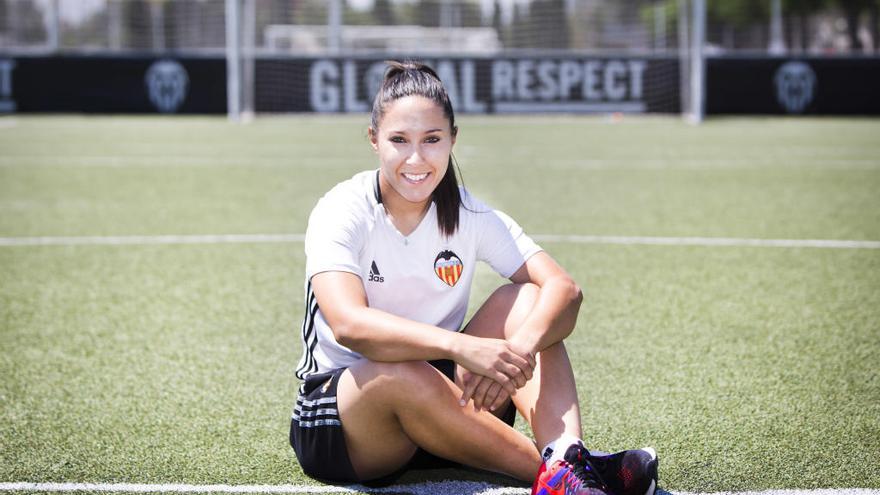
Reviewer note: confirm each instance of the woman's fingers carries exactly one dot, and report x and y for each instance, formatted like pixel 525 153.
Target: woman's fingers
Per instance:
pixel 486 393
pixel 518 368
pixel 506 382
pixel 497 360
pixel 470 385
pixel 481 401
pixel 500 397
pixel 475 387
pixel 515 374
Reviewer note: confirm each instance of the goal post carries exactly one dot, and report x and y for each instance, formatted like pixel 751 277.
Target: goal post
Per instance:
pixel 233 59
pixel 698 62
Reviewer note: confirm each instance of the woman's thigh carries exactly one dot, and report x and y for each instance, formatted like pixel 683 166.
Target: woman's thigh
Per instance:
pixel 369 395
pixel 503 311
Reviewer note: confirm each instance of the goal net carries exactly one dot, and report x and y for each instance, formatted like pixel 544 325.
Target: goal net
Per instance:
pixel 495 56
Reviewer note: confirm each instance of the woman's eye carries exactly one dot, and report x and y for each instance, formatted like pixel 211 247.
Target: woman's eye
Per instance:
pixel 432 139
pixel 397 139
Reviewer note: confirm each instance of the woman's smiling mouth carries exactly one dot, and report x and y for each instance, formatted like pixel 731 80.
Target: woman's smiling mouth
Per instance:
pixel 415 178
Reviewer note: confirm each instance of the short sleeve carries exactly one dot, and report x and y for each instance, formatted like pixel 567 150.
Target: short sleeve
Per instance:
pixel 502 242
pixel 334 239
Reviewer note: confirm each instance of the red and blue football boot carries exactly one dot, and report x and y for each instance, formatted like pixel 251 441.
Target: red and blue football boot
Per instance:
pixel 628 472
pixel 574 475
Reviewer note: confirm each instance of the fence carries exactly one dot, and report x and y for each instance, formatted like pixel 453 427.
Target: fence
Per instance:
pixel 498 55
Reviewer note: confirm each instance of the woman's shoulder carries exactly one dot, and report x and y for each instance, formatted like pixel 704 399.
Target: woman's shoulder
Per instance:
pixel 350 202
pixel 354 187
pixel 356 193
pixel 471 204
pixel 480 215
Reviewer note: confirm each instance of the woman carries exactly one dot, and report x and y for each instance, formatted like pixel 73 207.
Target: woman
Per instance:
pixel 389 374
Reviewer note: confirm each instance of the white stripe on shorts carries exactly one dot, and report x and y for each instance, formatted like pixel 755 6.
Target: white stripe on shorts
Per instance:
pixel 297 413
pixel 321 401
pixel 319 422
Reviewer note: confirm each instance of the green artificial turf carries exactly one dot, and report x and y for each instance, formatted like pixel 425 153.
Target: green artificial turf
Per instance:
pixel 746 367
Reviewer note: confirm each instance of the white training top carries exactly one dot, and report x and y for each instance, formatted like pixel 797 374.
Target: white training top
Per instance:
pixel 424 277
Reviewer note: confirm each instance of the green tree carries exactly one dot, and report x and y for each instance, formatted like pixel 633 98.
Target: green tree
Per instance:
pixel 383 12
pixel 874 24
pixel 797 14
pixel 549 24
pixel 134 32
pixel 428 13
pixel 497 24
pixel 852 11
pixel 518 29
pixel 739 12
pixel 470 15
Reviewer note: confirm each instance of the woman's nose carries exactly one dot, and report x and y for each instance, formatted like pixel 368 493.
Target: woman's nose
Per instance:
pixel 415 156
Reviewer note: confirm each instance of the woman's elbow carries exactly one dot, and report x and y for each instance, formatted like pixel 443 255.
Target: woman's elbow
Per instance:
pixel 345 332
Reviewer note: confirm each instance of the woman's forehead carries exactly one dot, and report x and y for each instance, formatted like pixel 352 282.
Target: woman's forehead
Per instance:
pixel 414 113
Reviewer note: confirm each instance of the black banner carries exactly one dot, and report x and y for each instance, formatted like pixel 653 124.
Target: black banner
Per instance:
pixel 101 84
pixel 479 85
pixel 510 84
pixel 105 84
pixel 811 86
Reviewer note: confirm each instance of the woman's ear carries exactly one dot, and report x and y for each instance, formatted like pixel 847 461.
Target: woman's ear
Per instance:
pixel 374 139
pixel 454 133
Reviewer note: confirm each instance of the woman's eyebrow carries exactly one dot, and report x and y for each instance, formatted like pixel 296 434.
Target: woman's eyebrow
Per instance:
pixel 438 129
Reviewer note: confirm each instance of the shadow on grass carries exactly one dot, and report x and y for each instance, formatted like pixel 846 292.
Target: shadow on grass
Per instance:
pixel 446 481
pixel 452 481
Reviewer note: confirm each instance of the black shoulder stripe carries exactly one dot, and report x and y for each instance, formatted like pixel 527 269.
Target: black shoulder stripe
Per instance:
pixel 309 336
pixel 377 190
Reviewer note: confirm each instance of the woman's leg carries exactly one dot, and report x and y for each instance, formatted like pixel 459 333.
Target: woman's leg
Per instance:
pixel 389 409
pixel 548 402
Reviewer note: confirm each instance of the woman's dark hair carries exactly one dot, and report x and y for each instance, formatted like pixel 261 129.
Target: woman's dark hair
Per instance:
pixel 416 79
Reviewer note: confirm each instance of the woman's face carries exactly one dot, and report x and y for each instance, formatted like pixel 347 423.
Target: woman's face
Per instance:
pixel 414 141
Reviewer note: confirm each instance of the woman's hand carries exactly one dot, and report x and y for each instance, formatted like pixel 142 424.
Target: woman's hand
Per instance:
pixel 495 359
pixel 486 393
pixel 495 369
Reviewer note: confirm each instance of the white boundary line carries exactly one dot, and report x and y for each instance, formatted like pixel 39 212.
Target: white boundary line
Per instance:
pixel 428 487
pixel 709 241
pixel 140 240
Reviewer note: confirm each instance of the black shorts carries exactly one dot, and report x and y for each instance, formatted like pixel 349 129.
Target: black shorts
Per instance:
pixel 316 430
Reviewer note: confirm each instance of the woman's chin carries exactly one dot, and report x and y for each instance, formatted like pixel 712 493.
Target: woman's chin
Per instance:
pixel 418 194
pixel 417 199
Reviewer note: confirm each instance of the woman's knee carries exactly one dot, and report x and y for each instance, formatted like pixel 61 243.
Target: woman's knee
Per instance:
pixel 504 310
pixel 517 293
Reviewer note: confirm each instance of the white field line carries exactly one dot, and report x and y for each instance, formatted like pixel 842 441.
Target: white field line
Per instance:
pixel 141 240
pixel 138 240
pixel 430 487
pixel 708 241
pixel 427 488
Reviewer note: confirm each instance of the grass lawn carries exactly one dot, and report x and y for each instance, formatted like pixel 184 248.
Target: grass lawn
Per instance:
pixel 747 368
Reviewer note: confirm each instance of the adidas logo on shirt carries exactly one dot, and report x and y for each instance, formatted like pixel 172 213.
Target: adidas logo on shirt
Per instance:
pixel 375 276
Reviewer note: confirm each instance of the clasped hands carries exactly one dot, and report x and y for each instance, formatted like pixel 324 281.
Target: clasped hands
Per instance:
pixel 495 369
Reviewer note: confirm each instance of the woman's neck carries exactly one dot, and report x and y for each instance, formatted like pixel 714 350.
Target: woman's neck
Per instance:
pixel 405 215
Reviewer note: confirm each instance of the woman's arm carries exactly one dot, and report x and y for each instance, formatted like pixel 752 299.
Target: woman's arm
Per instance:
pixel 551 320
pixel 555 313
pixel 381 336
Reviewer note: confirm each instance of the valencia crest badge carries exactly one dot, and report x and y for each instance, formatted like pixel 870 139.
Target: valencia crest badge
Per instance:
pixel 448 267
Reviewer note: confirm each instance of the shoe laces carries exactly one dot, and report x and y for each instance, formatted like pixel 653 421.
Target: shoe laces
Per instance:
pixel 587 474
pixel 584 470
